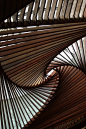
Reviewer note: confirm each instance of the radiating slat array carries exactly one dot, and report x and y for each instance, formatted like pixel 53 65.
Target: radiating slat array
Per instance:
pixel 25 56
pixel 74 55
pixel 47 11
pixel 36 59
pixel 69 101
pixel 21 106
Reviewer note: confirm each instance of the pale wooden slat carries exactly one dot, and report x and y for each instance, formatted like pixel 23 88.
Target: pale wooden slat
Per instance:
pixel 29 12
pixel 34 18
pixel 62 13
pixel 52 11
pixel 73 9
pixel 40 11
pixel 67 15
pixel 22 14
pixel 47 10
pixel 81 15
pixel 15 17
pixel 78 8
pixel 58 9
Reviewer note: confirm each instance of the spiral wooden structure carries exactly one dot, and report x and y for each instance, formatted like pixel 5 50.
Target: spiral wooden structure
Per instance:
pixel 42 64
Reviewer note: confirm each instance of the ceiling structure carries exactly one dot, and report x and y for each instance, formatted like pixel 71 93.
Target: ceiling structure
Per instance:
pixel 42 64
pixel 40 12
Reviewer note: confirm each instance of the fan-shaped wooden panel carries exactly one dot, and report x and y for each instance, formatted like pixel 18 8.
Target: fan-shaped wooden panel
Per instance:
pixel 74 55
pixel 69 101
pixel 25 56
pixel 21 106
pixel 31 66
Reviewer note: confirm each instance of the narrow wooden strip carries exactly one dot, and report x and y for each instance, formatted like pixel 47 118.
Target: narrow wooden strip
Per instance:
pixel 63 10
pixel 78 9
pixel 52 10
pixel 40 11
pixel 73 9
pixel 29 12
pixel 67 14
pixel 58 9
pixel 22 14
pixel 47 10
pixel 34 18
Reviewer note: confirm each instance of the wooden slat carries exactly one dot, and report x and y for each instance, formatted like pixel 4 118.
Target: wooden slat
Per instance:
pixel 58 9
pixel 34 18
pixel 85 13
pixel 15 17
pixel 78 9
pixel 81 15
pixel 52 10
pixel 21 17
pixel 29 12
pixel 67 14
pixel 47 10
pixel 73 9
pixel 63 9
pixel 41 9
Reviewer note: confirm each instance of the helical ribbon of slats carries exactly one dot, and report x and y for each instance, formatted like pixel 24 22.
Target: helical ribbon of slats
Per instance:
pixel 42 12
pixel 25 56
pixel 73 55
pixel 29 55
pixel 69 101
pixel 28 103
pixel 21 106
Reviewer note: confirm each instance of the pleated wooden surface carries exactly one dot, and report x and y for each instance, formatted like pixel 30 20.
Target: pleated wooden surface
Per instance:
pixel 25 56
pixel 69 101
pixel 42 12
pixel 21 106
